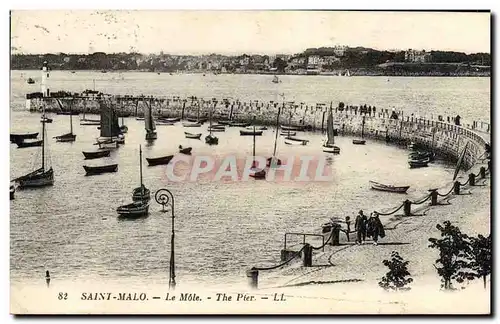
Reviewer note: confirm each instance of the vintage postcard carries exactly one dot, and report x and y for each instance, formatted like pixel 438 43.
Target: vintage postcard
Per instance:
pixel 250 162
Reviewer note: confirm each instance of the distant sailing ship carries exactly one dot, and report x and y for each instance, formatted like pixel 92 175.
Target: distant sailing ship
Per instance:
pixel 149 123
pixel 110 130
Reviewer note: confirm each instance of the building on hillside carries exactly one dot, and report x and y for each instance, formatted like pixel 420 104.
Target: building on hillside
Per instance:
pixel 339 50
pixel 416 56
pixel 313 60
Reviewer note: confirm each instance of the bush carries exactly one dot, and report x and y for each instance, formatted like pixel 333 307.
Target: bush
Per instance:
pixel 398 276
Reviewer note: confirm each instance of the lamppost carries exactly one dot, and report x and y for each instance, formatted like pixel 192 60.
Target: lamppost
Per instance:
pixel 164 197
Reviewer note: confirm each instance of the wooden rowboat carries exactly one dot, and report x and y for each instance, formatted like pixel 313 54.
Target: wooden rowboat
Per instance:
pixel 23 143
pixel 250 133
pixel 191 124
pixel 96 154
pixel 134 210
pixel 159 160
pixel 358 142
pixel 14 138
pixel 92 170
pixel 194 136
pixel 185 150
pixel 390 188
pixel 419 163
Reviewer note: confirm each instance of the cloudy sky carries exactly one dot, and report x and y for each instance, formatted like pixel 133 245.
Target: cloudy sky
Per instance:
pixel 236 32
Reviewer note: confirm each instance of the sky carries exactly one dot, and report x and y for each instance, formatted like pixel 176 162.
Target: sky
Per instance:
pixel 237 32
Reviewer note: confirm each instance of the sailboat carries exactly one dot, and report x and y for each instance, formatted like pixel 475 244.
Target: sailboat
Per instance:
pixel 256 172
pixel 68 137
pixel 109 128
pixel 211 139
pixel 141 193
pixel 87 121
pixel 361 141
pixel 290 139
pixel 40 177
pixel 149 124
pixel 329 145
pixel 273 160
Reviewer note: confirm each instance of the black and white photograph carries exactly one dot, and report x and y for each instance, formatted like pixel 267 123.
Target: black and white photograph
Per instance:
pixel 333 162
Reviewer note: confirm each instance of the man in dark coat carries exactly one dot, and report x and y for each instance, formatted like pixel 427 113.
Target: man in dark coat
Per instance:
pixel 360 227
pixel 374 228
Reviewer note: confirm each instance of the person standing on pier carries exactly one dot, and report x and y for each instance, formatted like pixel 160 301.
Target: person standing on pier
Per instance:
pixel 374 228
pixel 360 227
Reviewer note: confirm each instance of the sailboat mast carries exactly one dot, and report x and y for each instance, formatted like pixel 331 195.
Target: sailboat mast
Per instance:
pixel 43 140
pixel 253 144
pixel 289 122
pixel 210 117
pixel 70 122
pixel 140 163
pixel 277 130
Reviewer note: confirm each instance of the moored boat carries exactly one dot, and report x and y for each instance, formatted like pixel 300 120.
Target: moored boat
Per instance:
pixel 149 123
pixel 216 129
pixel 291 138
pixel 250 132
pixel 390 188
pixel 418 163
pixel 23 144
pixel 92 170
pixel 292 128
pixel 224 122
pixel 191 124
pixel 141 193
pixel 12 190
pixel 74 113
pixel 235 124
pixel 96 154
pixel 185 150
pixel 197 120
pixel 421 155
pixel 69 137
pixel 133 210
pixel 273 161
pixel 329 145
pixel 159 160
pixel 211 139
pixel 358 142
pixel 46 120
pixel 14 138
pixel 289 142
pixel 193 136
pixel 288 134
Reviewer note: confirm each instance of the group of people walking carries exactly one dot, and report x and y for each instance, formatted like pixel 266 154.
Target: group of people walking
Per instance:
pixel 368 227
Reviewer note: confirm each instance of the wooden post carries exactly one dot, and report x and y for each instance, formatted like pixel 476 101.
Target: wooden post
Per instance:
pixel 434 197
pixel 47 278
pixel 253 275
pixel 307 255
pixel 472 179
pixel 407 207
pixel 456 188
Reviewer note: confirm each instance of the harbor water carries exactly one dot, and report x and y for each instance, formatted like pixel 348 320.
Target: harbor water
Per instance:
pixel 222 228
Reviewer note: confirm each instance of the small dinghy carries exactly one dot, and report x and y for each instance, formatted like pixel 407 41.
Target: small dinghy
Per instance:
pixel 46 120
pixel 331 149
pixel 390 188
pixel 291 128
pixel 23 144
pixel 193 136
pixel 185 150
pixel 239 124
pixel 358 142
pixel 164 122
pixel 93 170
pixel 291 138
pixel 216 129
pixel 224 122
pixel 133 210
pixel 197 120
pixel 418 163
pixel 191 124
pixel 250 133
pixel 211 139
pixel 14 138
pixel 289 142
pixel 96 154
pixel 159 160
pixel 422 156
pixel 12 191
pixel 288 134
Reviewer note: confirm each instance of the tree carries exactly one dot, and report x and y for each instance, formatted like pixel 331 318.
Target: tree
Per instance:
pixel 398 276
pixel 280 64
pixel 481 256
pixel 454 255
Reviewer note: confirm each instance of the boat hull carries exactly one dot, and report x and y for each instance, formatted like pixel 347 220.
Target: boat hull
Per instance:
pixel 151 136
pixel 134 210
pixel 24 144
pixel 159 160
pixel 211 140
pixel 14 138
pixel 418 163
pixel 358 142
pixel 66 138
pixel 289 142
pixel 250 133
pixel 186 150
pixel 213 130
pixel 138 195
pixel 388 188
pixel 239 124
pixel 192 136
pixel 100 169
pixel 96 155
pixel 12 191
pixel 38 178
pixel 191 125
pixel 331 149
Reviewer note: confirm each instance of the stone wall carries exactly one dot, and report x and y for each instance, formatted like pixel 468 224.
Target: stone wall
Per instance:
pixel 444 138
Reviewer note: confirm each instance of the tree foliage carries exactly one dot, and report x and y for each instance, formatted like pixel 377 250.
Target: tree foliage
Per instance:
pixel 398 276
pixel 481 256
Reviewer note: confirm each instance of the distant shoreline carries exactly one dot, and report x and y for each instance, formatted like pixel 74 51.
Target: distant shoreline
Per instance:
pixel 331 74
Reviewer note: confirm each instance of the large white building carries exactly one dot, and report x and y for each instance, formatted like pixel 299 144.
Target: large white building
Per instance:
pixel 417 56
